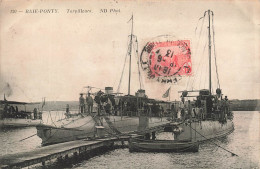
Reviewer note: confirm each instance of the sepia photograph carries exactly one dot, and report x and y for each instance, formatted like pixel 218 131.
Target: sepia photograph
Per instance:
pixel 130 84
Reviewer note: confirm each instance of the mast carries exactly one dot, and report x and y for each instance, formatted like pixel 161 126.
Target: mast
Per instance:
pixel 209 55
pixel 130 53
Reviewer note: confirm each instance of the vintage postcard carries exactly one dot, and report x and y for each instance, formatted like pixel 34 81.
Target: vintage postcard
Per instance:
pixel 130 84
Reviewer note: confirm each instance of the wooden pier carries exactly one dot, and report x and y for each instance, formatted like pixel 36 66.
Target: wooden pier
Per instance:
pixel 42 154
pixel 77 148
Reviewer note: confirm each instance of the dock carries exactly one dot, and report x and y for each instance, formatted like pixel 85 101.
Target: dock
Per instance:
pixel 78 148
pixel 42 154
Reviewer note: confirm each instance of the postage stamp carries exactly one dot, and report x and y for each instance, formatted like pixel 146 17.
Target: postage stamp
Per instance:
pixel 167 61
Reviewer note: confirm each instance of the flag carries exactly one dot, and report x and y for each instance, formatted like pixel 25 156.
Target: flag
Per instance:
pixel 43 103
pixel 166 94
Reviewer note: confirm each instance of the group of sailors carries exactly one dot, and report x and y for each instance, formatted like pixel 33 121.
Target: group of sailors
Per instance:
pixel 202 108
pixel 119 105
pixel 10 111
pixel 86 106
pixel 210 107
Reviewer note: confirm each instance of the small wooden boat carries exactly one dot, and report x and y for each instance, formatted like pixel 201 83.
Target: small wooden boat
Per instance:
pixel 136 145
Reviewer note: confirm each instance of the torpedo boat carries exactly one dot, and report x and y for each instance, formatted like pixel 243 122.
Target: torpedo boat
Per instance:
pixel 116 113
pixel 206 114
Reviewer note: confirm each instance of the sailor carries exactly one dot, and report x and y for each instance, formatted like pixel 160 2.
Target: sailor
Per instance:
pixel 189 109
pixel 117 106
pixel 6 111
pixel 153 109
pixel 67 114
pixel 108 108
pixel 125 107
pixel 226 99
pixel 182 99
pixel 161 111
pixel 209 105
pixel 81 103
pixel 146 108
pixel 35 113
pixel 181 109
pixel 89 101
pixel 226 110
pixel 193 112
pixel 67 108
pixel 198 101
pixel 147 136
pixel 173 112
pixel 40 115
pixel 6 108
pixel 153 135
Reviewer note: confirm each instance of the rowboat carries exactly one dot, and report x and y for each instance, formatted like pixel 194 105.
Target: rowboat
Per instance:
pixel 141 145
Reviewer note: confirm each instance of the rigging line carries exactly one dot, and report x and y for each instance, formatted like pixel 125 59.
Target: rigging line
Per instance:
pixel 47 118
pixel 122 74
pixel 196 49
pixel 201 74
pixel 52 120
pixel 215 55
pixel 28 137
pixel 203 62
pixel 140 75
pixel 233 154
pixel 188 83
pixel 66 136
pixel 55 116
pixel 138 63
pixel 85 123
pixel 198 24
pixel 206 76
pixel 201 59
pixel 200 34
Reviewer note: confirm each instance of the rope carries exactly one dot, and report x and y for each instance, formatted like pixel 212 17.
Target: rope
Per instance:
pixel 201 60
pixel 197 50
pixel 122 74
pixel 68 136
pixel 84 123
pixel 22 139
pixel 205 76
pixel 215 54
pixel 55 116
pixel 28 137
pixel 203 64
pixel 200 32
pixel 233 154
pixel 52 120
pixel 48 118
pixel 138 64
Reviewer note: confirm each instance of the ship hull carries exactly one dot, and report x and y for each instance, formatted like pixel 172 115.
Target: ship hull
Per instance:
pixel 204 130
pixel 12 122
pixel 85 128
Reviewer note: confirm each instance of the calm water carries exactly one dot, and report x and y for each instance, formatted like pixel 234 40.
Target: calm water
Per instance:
pixel 244 141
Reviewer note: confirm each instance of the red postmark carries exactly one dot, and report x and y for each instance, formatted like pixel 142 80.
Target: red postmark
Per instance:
pixel 169 58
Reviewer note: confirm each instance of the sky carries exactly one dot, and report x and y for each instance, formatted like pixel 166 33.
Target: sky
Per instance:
pixel 54 55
